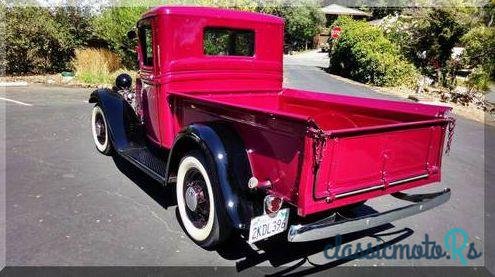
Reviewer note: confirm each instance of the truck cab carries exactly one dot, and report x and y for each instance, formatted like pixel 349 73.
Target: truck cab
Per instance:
pixel 209 116
pixel 196 50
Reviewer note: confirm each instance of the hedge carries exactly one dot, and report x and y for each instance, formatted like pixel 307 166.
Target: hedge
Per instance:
pixel 364 54
pixel 41 40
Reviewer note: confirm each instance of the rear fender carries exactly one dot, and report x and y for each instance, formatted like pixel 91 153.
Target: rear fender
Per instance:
pixel 225 152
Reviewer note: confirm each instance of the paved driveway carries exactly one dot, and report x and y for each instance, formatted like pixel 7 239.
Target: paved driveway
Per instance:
pixel 68 205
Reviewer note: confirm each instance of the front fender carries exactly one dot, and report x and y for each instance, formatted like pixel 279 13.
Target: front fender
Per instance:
pixel 119 115
pixel 225 151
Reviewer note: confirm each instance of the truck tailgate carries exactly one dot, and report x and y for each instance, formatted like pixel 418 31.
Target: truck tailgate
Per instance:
pixel 351 162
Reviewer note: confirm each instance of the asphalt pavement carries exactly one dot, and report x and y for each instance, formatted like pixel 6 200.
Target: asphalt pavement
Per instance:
pixel 68 205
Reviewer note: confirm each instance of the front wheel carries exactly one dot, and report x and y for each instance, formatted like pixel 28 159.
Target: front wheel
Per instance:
pixel 99 128
pixel 198 200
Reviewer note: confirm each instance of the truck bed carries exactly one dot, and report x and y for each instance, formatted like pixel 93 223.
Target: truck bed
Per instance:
pixel 329 111
pixel 322 151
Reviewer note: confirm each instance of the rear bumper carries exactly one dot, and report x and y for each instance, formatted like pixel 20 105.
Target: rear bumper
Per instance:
pixel 329 227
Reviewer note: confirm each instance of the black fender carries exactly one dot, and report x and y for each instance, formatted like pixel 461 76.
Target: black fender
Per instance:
pixel 226 153
pixel 122 121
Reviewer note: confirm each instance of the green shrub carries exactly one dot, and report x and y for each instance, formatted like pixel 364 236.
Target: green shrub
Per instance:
pixel 478 80
pixel 41 40
pixel 479 46
pixel 364 54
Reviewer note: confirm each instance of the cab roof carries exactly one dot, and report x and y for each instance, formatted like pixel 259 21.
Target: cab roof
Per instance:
pixel 213 13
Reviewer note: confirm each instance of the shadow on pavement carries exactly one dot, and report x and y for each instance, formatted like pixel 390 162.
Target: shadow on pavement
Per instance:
pixel 165 196
pixel 277 251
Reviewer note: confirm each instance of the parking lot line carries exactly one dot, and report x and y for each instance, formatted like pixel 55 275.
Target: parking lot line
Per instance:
pixel 15 101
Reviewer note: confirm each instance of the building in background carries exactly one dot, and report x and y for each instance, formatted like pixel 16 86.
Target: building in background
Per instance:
pixel 332 12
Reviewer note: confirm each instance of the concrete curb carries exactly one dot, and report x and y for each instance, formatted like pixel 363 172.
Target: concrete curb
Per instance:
pixel 14 84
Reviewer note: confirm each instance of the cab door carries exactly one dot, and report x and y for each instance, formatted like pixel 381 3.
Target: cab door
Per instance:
pixel 148 72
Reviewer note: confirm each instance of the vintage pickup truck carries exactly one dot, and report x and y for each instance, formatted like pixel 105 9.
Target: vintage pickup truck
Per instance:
pixel 209 116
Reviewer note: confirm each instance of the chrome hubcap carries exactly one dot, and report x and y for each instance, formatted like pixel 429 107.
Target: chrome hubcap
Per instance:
pixel 196 198
pixel 194 195
pixel 100 128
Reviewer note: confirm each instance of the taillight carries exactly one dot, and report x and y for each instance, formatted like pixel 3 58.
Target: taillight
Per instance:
pixel 253 182
pixel 272 204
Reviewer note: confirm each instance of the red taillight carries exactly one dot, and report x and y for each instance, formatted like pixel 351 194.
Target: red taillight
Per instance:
pixel 272 204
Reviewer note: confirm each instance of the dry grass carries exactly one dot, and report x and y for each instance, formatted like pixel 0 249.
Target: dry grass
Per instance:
pixel 96 66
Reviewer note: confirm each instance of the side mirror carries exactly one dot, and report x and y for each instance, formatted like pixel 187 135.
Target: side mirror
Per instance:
pixel 131 35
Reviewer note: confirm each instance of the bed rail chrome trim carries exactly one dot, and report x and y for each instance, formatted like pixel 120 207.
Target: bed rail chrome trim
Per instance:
pixel 330 228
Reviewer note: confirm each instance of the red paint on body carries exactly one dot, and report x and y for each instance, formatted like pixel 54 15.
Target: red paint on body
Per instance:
pixel 312 147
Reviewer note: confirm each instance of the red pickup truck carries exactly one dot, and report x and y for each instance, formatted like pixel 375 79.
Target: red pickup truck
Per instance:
pixel 209 116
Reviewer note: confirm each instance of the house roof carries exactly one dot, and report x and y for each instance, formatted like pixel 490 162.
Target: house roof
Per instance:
pixel 335 9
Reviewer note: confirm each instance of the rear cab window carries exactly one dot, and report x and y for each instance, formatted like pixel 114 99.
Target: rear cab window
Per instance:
pixel 228 42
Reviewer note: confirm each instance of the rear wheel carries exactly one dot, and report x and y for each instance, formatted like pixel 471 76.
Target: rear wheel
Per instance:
pixel 198 201
pixel 99 128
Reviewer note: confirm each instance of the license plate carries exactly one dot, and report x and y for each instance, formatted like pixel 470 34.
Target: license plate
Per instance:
pixel 268 225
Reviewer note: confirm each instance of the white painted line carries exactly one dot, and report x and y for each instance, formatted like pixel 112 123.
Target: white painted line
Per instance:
pixel 15 101
pixel 14 84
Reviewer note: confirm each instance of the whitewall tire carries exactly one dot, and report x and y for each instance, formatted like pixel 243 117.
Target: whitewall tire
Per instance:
pixel 99 129
pixel 198 202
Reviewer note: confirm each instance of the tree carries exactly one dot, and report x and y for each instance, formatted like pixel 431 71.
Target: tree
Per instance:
pixel 479 54
pixel 40 40
pixel 487 13
pixel 302 22
pixel 382 8
pixel 428 35
pixel 76 20
pixel 479 44
pixel 112 26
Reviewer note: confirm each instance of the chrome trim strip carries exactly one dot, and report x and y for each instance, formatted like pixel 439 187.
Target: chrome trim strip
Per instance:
pixel 345 194
pixel 398 182
pixel 394 183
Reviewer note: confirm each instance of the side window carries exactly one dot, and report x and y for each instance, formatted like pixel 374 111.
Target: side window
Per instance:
pixel 145 38
pixel 228 42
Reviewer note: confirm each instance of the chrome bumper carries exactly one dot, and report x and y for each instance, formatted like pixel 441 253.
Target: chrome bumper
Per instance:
pixel 328 227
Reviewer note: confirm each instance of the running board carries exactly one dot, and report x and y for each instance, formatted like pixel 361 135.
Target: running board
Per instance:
pixel 142 158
